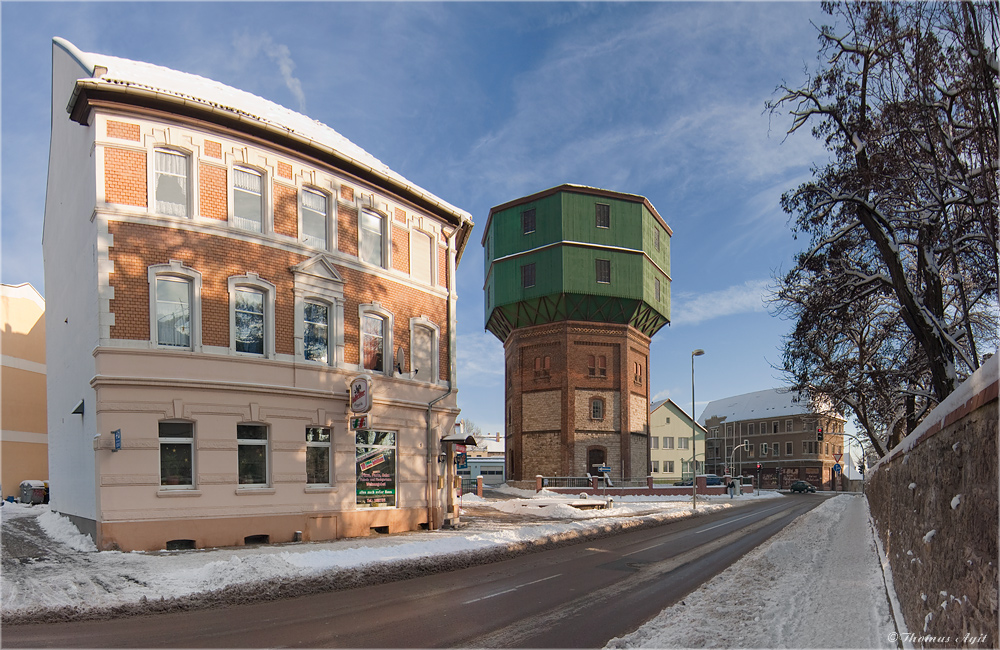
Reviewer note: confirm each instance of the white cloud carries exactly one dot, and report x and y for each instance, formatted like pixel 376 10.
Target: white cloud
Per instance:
pixel 249 46
pixel 749 297
pixel 480 359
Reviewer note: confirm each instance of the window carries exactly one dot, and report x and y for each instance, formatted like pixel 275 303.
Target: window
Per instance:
pixel 249 321
pixel 603 271
pixel 423 349
pixel 750 452
pixel 318 455
pixel 421 256
pixel 774 427
pixel 372 229
pixel 176 454
pixel 668 442
pixel 668 466
pixel 656 466
pixel 788 425
pixel 683 443
pixel 596 409
pixel 528 221
pixel 248 199
pixel 637 373
pixel 775 450
pixel 170 183
pixel 656 286
pixel 542 366
pixel 654 442
pixel 527 276
pixel 373 342
pixel 173 311
pixel 252 454
pixel 656 238
pixel 375 469
pixel 763 449
pixel 788 449
pixel 750 429
pixel 603 215
pixel 314 218
pixel 316 332
pixel 668 419
pixel 597 365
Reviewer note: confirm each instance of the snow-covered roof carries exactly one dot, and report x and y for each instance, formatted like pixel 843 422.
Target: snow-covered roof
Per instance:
pixel 774 402
pixel 123 75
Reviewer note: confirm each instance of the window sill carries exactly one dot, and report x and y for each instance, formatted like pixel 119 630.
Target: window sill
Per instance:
pixel 179 492
pixel 319 489
pixel 247 491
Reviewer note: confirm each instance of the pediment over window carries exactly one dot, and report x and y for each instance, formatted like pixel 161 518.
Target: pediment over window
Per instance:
pixel 319 266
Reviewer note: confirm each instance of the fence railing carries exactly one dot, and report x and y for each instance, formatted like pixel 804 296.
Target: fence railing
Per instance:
pixel 566 481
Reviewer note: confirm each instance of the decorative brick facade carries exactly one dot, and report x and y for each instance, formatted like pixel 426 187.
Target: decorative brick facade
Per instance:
pixel 347 227
pixel 124 177
pixel 284 170
pixel 400 249
pixel 123 130
pixel 213 193
pixel 286 210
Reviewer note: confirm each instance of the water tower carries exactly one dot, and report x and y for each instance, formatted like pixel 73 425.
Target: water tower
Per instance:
pixel 577 284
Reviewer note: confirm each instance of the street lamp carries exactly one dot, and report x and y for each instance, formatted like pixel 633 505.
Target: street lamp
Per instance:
pixel 694 456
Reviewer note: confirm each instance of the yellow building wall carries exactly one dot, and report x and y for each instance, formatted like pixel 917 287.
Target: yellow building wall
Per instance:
pixel 23 439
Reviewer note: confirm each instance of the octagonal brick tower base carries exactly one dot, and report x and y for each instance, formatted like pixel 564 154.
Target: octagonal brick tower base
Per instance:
pixel 554 376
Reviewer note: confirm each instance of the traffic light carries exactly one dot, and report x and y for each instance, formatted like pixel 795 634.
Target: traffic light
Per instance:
pixel 819 434
pixel 758 467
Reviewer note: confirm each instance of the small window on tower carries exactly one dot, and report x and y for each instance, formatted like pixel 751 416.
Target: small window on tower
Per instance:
pixel 528 221
pixel 527 276
pixel 603 215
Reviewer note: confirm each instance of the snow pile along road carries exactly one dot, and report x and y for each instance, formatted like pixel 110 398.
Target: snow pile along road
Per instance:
pixel 818 584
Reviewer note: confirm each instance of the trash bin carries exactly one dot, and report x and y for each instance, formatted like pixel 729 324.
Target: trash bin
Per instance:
pixel 32 492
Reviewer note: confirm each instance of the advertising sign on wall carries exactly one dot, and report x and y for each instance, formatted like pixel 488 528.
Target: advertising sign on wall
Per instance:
pixel 375 468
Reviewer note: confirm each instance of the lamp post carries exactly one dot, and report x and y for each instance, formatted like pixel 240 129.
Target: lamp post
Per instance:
pixel 694 448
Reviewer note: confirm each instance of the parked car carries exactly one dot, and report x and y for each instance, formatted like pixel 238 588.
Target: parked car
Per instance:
pixel 683 483
pixel 713 479
pixel 802 486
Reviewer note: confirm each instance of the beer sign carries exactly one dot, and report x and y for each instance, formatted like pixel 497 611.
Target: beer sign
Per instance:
pixel 361 394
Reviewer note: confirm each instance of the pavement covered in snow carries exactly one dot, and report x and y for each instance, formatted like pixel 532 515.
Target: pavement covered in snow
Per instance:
pixel 818 584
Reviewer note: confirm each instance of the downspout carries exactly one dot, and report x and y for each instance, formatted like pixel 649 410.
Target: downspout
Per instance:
pixel 431 446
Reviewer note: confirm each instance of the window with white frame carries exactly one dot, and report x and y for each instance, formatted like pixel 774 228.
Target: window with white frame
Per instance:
pixel 173 311
pixel 316 331
pixel 654 442
pixel 683 443
pixel 176 455
pixel 668 467
pixel 373 342
pixel 170 182
pixel 788 449
pixel 251 300
pixel 763 449
pixel 597 409
pixel 248 199
pixel 656 467
pixel 668 442
pixel 424 349
pixel 252 455
pixel 775 450
pixel 422 256
pixel 174 306
pixel 372 237
pixel 788 425
pixel 318 455
pixel 315 209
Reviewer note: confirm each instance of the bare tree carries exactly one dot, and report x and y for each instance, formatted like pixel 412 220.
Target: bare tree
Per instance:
pixel 895 298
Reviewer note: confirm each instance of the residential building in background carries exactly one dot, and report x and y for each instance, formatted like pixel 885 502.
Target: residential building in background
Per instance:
pixel 785 437
pixel 24 446
pixel 670 433
pixel 221 269
pixel 577 283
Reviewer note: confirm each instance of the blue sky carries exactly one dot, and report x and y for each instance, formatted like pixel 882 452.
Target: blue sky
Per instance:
pixel 481 103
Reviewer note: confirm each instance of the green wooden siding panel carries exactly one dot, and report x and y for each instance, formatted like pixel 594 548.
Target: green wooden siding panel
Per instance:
pixel 649 227
pixel 508 235
pixel 548 276
pixel 580 272
pixel 580 221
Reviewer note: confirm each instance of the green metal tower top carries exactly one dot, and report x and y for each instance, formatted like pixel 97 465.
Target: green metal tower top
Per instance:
pixel 576 253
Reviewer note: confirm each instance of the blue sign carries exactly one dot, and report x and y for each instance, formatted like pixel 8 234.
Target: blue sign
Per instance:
pixel 603 469
pixel 837 468
pixel 118 439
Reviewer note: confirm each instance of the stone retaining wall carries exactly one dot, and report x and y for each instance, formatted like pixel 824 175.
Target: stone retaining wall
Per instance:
pixel 933 500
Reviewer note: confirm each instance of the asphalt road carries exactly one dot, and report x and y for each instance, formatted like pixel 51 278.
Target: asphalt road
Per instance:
pixel 578 596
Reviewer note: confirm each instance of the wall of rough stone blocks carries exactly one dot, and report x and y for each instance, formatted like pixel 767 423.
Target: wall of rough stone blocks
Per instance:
pixel 935 510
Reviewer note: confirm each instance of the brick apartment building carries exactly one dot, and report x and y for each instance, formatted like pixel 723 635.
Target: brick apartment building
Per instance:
pixel 218 269
pixel 577 283
pixel 781 429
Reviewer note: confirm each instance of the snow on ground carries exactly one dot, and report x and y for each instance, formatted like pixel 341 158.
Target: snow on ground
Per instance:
pixel 817 584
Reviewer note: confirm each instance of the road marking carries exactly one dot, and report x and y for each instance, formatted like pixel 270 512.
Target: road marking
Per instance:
pixel 507 591
pixel 644 549
pixel 737 519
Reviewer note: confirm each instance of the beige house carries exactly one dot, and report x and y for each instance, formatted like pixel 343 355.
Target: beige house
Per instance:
pixel 232 281
pixel 24 449
pixel 670 443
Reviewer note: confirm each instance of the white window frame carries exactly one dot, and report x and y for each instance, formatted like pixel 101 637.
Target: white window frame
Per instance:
pixel 153 173
pixel 684 443
pixel 318 280
pixel 266 443
pixel 328 243
pixel 175 269
pixel 265 221
pixel 432 256
pixel 656 467
pixel 388 351
pixel 423 321
pixel 668 442
pixel 330 327
pixel 764 449
pixel 177 440
pixel 668 467
pixel 386 243
pixel 321 445
pixel 254 282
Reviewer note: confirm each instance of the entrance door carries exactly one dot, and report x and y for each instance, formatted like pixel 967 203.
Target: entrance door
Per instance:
pixel 595 459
